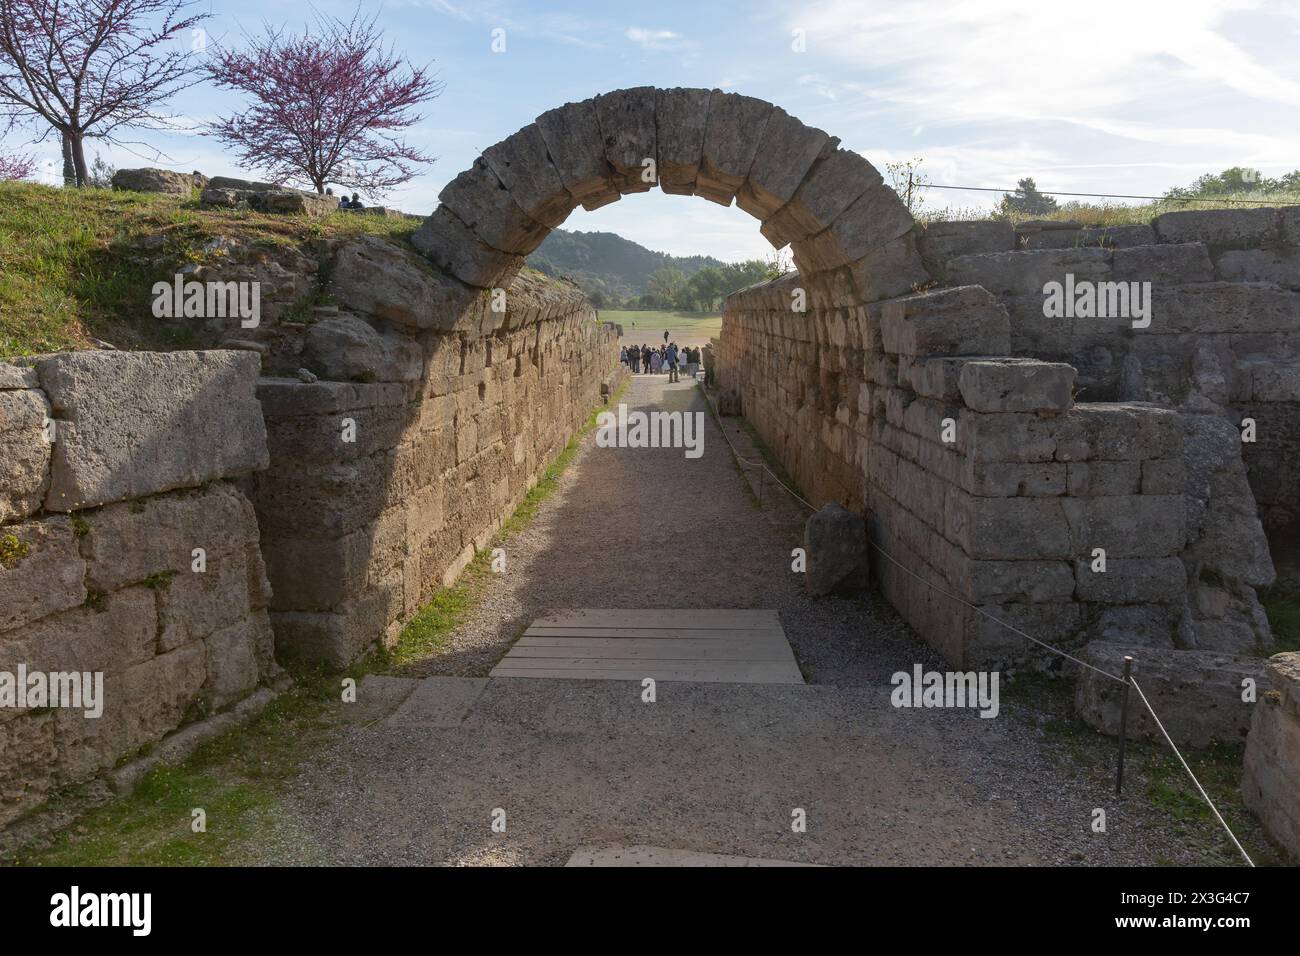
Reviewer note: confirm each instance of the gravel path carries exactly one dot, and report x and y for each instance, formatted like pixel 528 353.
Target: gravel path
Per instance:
pixel 709 767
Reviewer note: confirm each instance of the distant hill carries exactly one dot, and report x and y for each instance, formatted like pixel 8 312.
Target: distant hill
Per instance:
pixel 607 263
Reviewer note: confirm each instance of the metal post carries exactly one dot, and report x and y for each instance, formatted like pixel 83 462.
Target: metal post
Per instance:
pixel 909 191
pixel 1123 724
pixel 761 469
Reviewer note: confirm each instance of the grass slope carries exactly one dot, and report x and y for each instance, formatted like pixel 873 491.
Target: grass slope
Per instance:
pixel 71 269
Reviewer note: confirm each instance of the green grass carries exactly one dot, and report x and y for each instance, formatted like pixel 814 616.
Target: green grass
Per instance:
pixel 1152 774
pixel 649 326
pixel 1282 601
pixel 236 777
pixel 77 265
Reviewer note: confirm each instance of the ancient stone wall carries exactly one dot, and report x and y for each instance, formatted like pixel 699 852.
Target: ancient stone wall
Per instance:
pixel 128 550
pixel 1224 333
pixel 1273 755
pixel 981 475
pixel 429 416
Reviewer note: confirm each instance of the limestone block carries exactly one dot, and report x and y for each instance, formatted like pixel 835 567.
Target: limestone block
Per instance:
pixel 680 118
pixel 336 638
pixel 988 643
pixel 330 500
pixel 232 667
pixel 346 347
pixel 1006 437
pixel 874 219
pixel 289 398
pixel 318 574
pixel 1271 382
pixel 129 542
pixel 119 631
pixel 193 606
pixel 1008 529
pixel 1261 265
pixel 454 247
pixel 160 692
pixel 480 200
pixel 932 376
pixel 1107 237
pixel 1271 310
pixel 27 752
pixel 523 166
pixel 1004 479
pixel 152 180
pixel 785 154
pixel 1117 432
pixel 1196 693
pixel 131 424
pixel 383 279
pixel 835 540
pixel 627 130
pixel 829 188
pixel 1017 385
pixel 24 450
pixel 1163 476
pixel 1085 479
pixel 1272 763
pixel 1132 580
pixel 574 143
pixel 1002 582
pixel 960 321
pixel 1027 272
pixel 735 127
pixel 947 240
pixel 17 377
pixel 1163 264
pixel 1126 526
pixel 1248 227
pixel 41 571
pixel 889 270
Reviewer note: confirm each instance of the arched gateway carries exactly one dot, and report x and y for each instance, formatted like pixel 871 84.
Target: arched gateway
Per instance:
pixel 850 234
pixel 913 392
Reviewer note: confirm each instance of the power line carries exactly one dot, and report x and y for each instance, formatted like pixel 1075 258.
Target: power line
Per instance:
pixel 1049 192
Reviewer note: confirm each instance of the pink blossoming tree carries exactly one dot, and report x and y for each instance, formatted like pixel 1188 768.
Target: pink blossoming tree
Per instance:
pixel 327 107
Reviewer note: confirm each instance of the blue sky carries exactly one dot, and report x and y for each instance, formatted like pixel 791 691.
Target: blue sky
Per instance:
pixel 1127 98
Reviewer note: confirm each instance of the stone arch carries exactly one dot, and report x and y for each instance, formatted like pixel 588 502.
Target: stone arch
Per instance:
pixel 850 235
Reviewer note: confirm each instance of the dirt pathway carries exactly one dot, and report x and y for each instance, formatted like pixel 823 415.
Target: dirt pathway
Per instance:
pixel 716 768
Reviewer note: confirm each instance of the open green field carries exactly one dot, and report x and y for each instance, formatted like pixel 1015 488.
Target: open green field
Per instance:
pixel 648 327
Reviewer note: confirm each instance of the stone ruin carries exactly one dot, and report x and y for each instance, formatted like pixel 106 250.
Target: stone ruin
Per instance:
pixel 908 374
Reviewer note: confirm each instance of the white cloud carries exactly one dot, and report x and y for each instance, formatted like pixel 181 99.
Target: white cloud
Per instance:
pixel 1028 59
pixel 656 39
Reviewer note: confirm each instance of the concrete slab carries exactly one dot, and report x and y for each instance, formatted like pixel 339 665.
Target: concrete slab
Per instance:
pixel 664 856
pixel 439 702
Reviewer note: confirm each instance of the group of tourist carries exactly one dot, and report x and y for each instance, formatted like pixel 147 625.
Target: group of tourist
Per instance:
pixel 346 203
pixel 667 358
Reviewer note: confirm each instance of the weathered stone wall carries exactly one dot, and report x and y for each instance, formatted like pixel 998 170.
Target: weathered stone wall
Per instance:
pixel 1273 755
pixel 381 488
pixel 982 476
pixel 1224 336
pixel 98 564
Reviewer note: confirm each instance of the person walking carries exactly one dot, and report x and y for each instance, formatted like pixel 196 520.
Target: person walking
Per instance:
pixel 672 362
pixel 656 363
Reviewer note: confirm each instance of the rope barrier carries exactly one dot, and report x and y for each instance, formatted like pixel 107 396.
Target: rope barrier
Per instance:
pixel 1015 630
pixel 1204 796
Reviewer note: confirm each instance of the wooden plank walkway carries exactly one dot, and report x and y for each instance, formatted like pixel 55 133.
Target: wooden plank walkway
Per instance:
pixel 721 646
